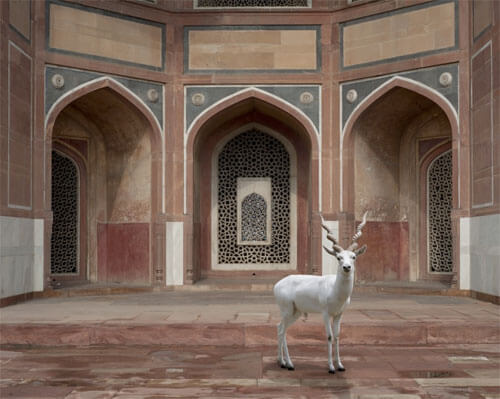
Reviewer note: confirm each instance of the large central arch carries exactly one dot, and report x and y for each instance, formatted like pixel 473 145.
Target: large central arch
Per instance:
pixel 226 119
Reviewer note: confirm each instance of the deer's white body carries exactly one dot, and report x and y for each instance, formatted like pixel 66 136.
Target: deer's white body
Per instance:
pixel 328 295
pixel 315 294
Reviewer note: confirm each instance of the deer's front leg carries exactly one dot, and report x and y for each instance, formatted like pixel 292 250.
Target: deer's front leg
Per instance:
pixel 329 335
pixel 336 335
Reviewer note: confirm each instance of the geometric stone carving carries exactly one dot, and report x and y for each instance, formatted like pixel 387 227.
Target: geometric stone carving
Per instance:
pixel 439 189
pixel 351 96
pixel 250 3
pixel 153 95
pixel 198 99
pixel 261 157
pixel 57 81
pixel 64 243
pixel 306 98
pixel 445 79
pixel 254 210
pixel 253 219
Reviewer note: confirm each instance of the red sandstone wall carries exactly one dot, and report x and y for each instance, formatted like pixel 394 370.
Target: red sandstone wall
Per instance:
pixel 123 253
pixel 485 108
pixel 18 178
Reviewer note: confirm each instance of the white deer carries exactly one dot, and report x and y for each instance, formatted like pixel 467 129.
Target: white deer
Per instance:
pixel 328 295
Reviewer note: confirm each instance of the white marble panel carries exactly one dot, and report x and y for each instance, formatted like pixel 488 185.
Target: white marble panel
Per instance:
pixel 485 254
pixel 21 258
pixel 465 253
pixel 328 262
pixel 38 240
pixel 175 253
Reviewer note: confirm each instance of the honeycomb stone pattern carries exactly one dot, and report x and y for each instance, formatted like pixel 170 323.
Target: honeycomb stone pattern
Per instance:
pixel 250 3
pixel 439 208
pixel 253 154
pixel 253 218
pixel 64 244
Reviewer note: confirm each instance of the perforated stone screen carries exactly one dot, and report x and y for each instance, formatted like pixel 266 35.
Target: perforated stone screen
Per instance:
pixel 64 244
pixel 253 218
pixel 253 154
pixel 439 189
pixel 250 3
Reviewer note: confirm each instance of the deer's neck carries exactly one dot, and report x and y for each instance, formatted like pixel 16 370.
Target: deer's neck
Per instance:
pixel 344 285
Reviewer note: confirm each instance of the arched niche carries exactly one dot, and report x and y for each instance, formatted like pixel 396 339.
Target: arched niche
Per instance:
pixel 383 149
pixel 120 141
pixel 206 139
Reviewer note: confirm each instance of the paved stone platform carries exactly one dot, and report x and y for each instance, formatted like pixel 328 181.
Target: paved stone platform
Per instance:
pixel 245 319
pixel 463 371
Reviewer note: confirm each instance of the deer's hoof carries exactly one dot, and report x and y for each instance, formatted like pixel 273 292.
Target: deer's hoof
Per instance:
pixel 291 368
pixel 341 368
pixel 283 366
pixel 331 371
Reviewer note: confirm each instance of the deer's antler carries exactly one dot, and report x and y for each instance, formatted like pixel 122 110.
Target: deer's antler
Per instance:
pixel 329 236
pixel 358 234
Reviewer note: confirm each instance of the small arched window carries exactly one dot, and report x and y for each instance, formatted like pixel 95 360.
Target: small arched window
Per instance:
pixel 439 197
pixel 253 218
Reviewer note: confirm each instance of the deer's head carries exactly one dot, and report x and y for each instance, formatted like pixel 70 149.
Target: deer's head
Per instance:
pixel 346 257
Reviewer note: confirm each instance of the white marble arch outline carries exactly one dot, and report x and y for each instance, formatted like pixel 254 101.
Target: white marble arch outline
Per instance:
pixel 293 204
pixel 146 109
pixel 374 93
pixel 189 130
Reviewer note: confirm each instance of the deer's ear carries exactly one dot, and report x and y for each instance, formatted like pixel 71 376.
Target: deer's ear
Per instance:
pixel 361 250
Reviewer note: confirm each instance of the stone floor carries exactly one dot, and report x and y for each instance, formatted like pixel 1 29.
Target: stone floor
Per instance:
pixel 372 372
pixel 243 318
pixel 222 344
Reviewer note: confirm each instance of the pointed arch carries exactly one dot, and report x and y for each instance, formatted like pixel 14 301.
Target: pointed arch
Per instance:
pixel 405 83
pixel 149 269
pixel 218 122
pixel 102 83
pixel 253 93
pixel 347 139
pixel 377 115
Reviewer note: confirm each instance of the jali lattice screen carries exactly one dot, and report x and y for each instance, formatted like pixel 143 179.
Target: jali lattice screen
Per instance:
pixel 253 154
pixel 439 191
pixel 64 244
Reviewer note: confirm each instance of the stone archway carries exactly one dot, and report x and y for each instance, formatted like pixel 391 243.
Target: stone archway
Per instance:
pixel 383 149
pixel 247 115
pixel 121 144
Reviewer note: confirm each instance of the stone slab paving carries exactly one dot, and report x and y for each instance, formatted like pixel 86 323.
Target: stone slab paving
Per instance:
pixel 243 318
pixel 469 371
